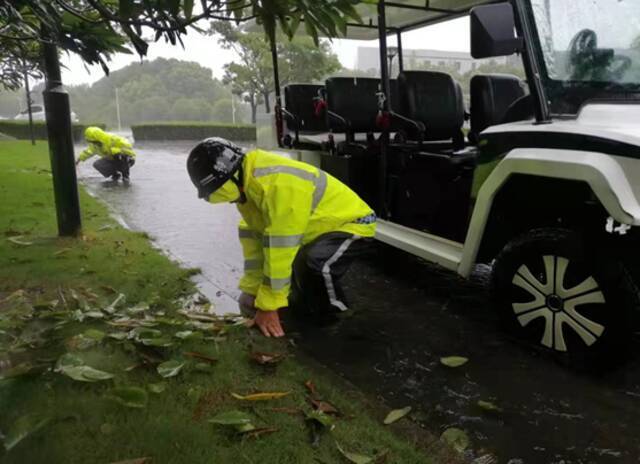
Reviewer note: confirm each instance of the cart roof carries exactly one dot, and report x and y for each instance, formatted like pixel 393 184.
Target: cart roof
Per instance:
pixel 404 15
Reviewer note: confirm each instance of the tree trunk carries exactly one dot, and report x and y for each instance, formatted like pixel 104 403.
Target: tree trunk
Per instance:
pixel 254 112
pixel 267 103
pixel 254 108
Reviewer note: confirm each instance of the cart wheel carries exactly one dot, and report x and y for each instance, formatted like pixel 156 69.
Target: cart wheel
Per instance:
pixel 554 291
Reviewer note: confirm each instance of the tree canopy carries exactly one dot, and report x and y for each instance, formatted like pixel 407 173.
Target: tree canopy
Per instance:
pixel 300 60
pixel 96 29
pixel 159 90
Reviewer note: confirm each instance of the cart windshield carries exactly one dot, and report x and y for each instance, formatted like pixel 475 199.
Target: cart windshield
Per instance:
pixel 589 48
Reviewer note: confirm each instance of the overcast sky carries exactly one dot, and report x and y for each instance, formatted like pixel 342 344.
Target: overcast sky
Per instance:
pixel 449 36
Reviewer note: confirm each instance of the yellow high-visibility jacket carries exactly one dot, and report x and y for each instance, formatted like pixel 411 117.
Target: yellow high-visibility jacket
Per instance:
pixel 106 145
pixel 289 204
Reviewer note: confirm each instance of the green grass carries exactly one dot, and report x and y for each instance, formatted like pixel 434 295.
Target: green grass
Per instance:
pixel 88 426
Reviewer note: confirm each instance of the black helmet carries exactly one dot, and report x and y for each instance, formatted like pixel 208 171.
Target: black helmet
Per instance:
pixel 212 163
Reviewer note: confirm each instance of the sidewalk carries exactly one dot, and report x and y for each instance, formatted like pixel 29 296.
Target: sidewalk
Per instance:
pixel 106 355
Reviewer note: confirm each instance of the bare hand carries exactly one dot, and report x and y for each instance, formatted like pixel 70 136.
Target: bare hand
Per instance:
pixel 269 323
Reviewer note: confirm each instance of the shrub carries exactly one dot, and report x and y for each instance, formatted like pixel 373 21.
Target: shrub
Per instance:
pixel 20 129
pixel 192 131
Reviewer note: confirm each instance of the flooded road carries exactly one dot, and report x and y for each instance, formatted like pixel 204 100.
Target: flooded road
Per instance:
pixel 407 315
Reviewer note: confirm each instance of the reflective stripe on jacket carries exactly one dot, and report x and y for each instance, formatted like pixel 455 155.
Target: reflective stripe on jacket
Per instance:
pixel 105 145
pixel 289 204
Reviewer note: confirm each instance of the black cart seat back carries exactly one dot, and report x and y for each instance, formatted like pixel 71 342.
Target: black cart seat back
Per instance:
pixel 354 99
pixel 300 101
pixel 434 99
pixel 491 97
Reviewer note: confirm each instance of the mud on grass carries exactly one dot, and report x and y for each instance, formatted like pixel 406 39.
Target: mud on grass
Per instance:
pixel 62 318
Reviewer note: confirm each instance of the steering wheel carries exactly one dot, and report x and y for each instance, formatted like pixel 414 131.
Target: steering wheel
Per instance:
pixel 590 63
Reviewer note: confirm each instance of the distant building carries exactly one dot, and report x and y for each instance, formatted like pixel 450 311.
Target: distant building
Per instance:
pixel 369 59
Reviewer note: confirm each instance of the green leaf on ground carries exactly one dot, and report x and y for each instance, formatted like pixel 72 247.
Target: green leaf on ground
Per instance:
pixel 188 335
pixel 74 367
pixel 118 335
pixel 23 427
pixel 95 334
pixel 170 368
pixel 396 415
pixel 131 397
pixel 157 388
pixel 233 418
pixel 161 342
pixel 456 438
pixel 353 457
pixel 112 307
pixel 488 406
pixel 261 396
pixel 454 361
pixel 322 418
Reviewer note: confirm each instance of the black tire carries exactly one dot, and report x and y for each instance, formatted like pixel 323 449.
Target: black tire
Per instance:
pixel 582 314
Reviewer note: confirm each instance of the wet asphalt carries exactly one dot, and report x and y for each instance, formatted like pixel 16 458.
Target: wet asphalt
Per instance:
pixel 406 315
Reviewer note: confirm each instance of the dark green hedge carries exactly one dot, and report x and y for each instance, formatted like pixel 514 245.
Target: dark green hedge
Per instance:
pixel 192 131
pixel 20 129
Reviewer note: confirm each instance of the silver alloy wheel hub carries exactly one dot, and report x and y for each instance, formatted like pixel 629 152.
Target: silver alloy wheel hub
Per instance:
pixel 557 305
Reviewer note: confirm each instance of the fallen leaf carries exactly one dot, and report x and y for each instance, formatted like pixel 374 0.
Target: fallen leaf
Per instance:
pixel 324 407
pixel 321 418
pixel 261 396
pixel 61 252
pixel 131 397
pixel 17 241
pixel 311 387
pixel 202 317
pixel 488 406
pixel 454 361
pixel 23 427
pixel 203 367
pixel 94 334
pixel 157 388
pixel 456 438
pixel 118 335
pixel 204 357
pixel 244 428
pixel 233 418
pixel 74 367
pixel 353 457
pixel 170 368
pixel 257 433
pixel 188 335
pixel 396 415
pixel 266 358
pixel 112 307
pixel 161 342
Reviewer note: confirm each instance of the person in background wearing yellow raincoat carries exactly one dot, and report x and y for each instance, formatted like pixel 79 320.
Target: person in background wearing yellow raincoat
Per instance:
pixel 300 229
pixel 115 152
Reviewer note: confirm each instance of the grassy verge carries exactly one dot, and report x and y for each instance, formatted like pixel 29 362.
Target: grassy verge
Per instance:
pixel 62 315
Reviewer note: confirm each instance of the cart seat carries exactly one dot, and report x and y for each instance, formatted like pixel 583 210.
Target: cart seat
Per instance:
pixel 491 97
pixel 300 102
pixel 435 100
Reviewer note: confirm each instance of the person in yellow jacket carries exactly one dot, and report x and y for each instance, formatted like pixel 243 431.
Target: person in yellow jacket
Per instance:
pixel 115 152
pixel 300 228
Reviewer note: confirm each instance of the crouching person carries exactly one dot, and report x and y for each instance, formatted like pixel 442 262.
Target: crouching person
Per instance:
pixel 300 228
pixel 115 152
